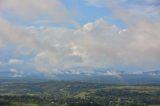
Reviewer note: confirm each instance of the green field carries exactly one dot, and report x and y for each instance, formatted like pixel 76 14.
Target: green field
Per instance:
pixel 61 93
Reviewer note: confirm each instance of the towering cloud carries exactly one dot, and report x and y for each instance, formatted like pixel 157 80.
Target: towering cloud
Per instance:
pixel 95 44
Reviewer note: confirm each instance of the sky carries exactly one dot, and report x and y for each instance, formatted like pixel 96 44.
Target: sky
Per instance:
pixel 54 36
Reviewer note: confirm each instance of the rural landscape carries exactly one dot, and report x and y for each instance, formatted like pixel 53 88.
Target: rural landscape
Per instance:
pixel 66 93
pixel 79 52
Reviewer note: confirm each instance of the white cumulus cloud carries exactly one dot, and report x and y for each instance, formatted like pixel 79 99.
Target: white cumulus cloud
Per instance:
pixel 95 44
pixel 15 61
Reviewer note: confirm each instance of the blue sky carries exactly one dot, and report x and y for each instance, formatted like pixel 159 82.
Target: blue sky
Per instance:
pixel 81 11
pixel 51 36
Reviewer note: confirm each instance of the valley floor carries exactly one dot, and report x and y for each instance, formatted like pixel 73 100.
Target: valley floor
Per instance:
pixel 64 93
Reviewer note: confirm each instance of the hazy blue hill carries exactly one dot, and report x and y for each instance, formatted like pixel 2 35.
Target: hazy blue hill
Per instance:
pixel 117 77
pixel 124 78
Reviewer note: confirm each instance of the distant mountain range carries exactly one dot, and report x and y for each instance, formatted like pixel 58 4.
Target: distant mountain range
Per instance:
pixel 153 73
pixel 115 77
pixel 98 76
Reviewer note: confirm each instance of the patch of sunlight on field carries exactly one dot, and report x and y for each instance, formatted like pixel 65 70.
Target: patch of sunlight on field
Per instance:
pixel 24 104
